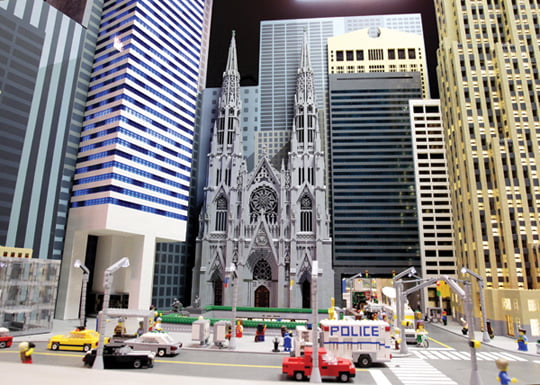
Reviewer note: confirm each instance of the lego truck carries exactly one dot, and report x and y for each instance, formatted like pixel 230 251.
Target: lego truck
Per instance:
pixel 300 367
pixel 363 342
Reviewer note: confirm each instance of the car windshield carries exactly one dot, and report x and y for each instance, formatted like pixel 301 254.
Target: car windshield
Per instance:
pixel 123 350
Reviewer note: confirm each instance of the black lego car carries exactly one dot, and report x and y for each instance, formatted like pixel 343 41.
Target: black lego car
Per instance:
pixel 119 355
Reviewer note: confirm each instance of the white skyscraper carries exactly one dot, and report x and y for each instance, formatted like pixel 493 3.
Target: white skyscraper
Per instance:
pixel 133 169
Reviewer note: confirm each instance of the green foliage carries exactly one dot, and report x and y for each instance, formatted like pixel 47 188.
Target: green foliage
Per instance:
pixel 264 309
pixel 175 318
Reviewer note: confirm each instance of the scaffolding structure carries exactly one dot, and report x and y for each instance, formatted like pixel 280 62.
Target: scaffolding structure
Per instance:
pixel 28 288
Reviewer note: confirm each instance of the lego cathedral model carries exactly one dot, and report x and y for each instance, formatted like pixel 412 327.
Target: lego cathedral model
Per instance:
pixel 262 230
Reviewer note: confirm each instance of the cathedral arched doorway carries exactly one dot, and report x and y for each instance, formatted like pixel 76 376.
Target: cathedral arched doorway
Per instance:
pixel 218 291
pixel 306 294
pixel 262 297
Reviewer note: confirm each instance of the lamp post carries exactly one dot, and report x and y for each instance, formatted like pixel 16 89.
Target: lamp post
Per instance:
pixel 400 306
pixel 86 274
pixel 107 285
pixel 475 377
pixel 234 279
pixel 464 270
pixel 315 373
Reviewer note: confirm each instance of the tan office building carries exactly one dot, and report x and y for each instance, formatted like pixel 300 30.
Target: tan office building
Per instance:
pixel 378 50
pixel 490 88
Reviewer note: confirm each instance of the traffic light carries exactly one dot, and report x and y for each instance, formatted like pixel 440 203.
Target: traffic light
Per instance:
pixel 443 289
pixel 366 272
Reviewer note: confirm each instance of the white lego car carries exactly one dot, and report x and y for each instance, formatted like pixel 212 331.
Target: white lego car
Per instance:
pixel 160 343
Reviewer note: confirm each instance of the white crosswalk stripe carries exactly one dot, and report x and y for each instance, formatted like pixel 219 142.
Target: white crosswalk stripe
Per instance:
pixel 407 369
pixel 458 355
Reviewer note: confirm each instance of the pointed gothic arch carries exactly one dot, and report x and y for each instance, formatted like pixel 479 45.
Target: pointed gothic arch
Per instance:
pixel 217 288
pixel 262 297
pixel 221 213
pixel 306 294
pixel 306 213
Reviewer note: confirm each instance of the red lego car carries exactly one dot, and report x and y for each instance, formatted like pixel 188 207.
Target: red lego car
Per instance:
pixel 5 339
pixel 341 369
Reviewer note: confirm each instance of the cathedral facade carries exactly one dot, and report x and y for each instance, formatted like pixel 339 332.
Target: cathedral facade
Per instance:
pixel 261 231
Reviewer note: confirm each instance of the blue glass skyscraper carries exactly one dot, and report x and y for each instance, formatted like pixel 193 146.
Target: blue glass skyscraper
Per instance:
pixel 132 177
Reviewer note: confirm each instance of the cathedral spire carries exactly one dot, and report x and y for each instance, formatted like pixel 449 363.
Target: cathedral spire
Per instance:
pixel 304 87
pixel 232 63
pixel 305 62
pixel 230 90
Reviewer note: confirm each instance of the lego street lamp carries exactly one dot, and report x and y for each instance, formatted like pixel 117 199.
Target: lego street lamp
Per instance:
pixel 475 377
pixel 107 286
pixel 400 305
pixel 464 270
pixel 315 373
pixel 86 274
pixel 231 270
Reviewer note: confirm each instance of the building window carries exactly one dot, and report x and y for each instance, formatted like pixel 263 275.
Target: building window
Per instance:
pixel 412 53
pixel 532 305
pixel 339 55
pixel 391 54
pixel 350 55
pixel 262 271
pixel 359 54
pixel 221 213
pixel 220 132
pixel 375 54
pixel 401 53
pixel 306 214
pixel 263 201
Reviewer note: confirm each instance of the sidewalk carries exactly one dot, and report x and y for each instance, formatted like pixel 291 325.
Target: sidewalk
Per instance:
pixel 500 342
pixel 246 344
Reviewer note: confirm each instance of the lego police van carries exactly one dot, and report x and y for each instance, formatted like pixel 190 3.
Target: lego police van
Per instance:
pixel 361 341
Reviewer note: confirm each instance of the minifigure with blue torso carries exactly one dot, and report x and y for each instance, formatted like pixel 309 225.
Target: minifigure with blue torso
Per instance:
pixel 522 341
pixel 503 377
pixel 287 342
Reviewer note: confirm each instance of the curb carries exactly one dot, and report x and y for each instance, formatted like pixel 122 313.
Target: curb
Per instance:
pixel 487 343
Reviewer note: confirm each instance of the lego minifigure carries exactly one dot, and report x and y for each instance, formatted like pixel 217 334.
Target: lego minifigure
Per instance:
pixel 490 330
pixel 140 330
pixel 503 377
pixel 239 329
pixel 259 334
pixel 444 317
pixel 287 342
pixel 522 341
pixel 196 302
pixel 157 325
pixel 396 338
pixel 276 344
pixel 25 351
pixel 120 329
pixel 465 328
pixel 176 305
pixel 420 334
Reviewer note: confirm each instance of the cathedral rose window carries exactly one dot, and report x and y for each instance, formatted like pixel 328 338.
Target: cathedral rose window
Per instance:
pixel 263 202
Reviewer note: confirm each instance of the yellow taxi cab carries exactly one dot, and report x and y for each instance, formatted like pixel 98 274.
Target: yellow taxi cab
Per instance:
pixel 79 340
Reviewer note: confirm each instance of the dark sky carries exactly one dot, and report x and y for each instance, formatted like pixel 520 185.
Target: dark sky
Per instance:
pixel 244 16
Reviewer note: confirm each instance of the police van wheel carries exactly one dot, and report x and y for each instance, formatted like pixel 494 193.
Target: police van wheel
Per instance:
pixel 343 377
pixel 364 361
pixel 298 376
